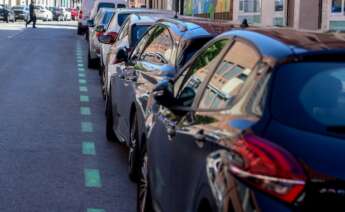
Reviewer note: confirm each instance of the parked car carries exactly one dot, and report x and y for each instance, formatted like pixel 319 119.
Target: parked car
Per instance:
pixel 115 25
pixel 159 55
pixel 254 123
pixel 67 14
pixel 7 14
pixel 98 4
pixel 88 5
pixel 96 29
pixel 132 30
pixel 43 13
pixel 74 13
pixel 21 12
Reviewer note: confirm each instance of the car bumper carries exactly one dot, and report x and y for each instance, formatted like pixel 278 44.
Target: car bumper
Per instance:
pixel 21 16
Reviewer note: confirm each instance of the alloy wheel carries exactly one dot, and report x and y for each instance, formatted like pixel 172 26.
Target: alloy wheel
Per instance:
pixel 133 151
pixel 143 194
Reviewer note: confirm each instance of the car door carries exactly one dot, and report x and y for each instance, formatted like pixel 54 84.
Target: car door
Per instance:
pixel 137 81
pixel 167 128
pixel 199 134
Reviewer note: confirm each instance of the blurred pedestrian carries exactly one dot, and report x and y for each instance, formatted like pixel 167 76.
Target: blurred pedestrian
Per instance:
pixel 32 15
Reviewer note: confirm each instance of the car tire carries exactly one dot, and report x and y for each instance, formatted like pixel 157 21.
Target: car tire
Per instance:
pixel 133 155
pixel 91 63
pixel 144 198
pixel 111 137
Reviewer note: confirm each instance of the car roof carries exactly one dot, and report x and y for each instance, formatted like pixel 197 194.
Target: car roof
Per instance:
pixel 144 10
pixel 192 27
pixel 280 43
pixel 142 19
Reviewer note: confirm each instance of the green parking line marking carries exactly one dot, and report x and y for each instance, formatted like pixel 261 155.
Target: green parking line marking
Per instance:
pixel 88 148
pixel 86 127
pixel 82 89
pixel 82 81
pixel 84 98
pixel 92 178
pixel 81 75
pixel 85 111
pixel 81 69
pixel 80 65
pixel 79 60
pixel 94 210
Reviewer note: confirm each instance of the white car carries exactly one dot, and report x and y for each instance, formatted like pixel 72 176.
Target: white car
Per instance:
pixel 89 8
pixel 43 13
pixel 115 25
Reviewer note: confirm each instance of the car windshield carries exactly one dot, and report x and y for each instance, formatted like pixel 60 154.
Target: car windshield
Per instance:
pixel 121 6
pixel 121 18
pixel 310 95
pixel 105 5
pixel 137 32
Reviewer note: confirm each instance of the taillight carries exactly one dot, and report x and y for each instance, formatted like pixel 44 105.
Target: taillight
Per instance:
pixel 267 167
pixel 113 36
pixel 80 14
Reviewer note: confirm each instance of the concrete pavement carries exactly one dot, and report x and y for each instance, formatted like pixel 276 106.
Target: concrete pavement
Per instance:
pixel 53 152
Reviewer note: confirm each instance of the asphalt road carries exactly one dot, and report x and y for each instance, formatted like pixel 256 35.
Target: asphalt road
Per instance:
pixel 53 152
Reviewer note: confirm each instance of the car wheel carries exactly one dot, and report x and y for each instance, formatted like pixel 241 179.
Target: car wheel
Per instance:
pixel 91 63
pixel 144 200
pixel 104 83
pixel 109 122
pixel 133 164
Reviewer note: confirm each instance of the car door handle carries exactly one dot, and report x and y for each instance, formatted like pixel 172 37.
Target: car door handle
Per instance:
pixel 200 136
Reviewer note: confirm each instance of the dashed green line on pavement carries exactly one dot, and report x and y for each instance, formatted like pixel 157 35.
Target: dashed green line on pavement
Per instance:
pixel 95 210
pixel 84 98
pixel 82 81
pixel 81 75
pixel 80 65
pixel 88 148
pixel 82 88
pixel 86 127
pixel 81 69
pixel 92 178
pixel 85 111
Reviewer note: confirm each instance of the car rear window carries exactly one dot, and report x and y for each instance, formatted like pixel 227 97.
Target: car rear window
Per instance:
pixel 310 96
pixel 105 5
pixel 137 32
pixel 121 18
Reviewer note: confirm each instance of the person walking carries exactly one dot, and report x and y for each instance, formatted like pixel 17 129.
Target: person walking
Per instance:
pixel 32 15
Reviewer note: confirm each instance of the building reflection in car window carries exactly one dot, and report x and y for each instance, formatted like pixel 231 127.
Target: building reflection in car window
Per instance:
pixel 227 81
pixel 190 81
pixel 159 49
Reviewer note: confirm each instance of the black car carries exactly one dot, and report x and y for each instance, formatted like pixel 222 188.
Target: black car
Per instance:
pixel 255 123
pixel 160 54
pixel 7 14
pixel 21 12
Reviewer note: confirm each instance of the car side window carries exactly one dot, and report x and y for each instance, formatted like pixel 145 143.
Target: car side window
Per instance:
pixel 189 83
pixel 226 82
pixel 141 45
pixel 159 48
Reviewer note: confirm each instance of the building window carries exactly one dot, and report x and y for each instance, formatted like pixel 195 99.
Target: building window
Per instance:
pixel 337 6
pixel 250 6
pixel 279 5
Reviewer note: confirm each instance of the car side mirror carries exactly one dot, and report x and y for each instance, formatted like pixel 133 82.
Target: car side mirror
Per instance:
pixel 100 28
pixel 122 55
pixel 163 94
pixel 90 23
